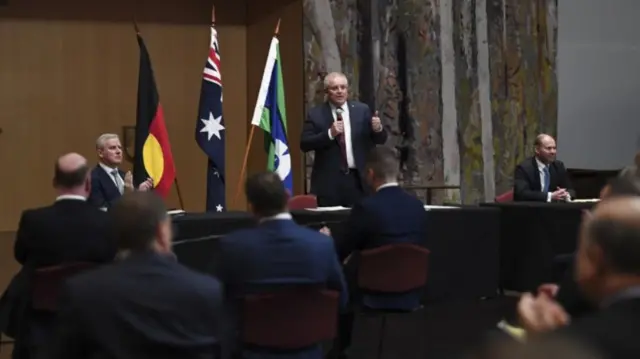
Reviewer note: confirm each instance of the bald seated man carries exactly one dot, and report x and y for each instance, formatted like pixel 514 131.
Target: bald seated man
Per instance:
pixel 69 230
pixel 542 178
pixel 608 272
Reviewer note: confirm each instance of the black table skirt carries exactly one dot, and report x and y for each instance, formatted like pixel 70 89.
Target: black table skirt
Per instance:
pixel 533 236
pixel 463 243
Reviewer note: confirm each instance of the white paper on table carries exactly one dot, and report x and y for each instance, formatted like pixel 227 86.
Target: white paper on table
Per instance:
pixel 327 209
pixel 175 211
pixel 428 208
pixel 585 200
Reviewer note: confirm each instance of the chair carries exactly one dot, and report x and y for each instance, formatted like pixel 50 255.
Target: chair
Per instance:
pixel 303 202
pixel 289 319
pixel 48 281
pixel 505 197
pixel 395 268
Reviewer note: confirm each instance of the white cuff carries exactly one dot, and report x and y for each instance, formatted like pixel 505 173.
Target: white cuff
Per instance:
pixel 549 194
pixel 330 137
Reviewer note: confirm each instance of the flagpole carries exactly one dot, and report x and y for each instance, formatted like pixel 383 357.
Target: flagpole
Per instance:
pixel 175 179
pixel 248 146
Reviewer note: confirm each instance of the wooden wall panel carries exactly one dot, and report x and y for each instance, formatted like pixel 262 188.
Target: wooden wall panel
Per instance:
pixel 69 72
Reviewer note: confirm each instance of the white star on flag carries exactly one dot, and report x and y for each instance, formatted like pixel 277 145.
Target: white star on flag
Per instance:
pixel 219 208
pixel 212 126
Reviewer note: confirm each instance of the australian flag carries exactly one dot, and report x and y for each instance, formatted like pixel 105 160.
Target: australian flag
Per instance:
pixel 210 127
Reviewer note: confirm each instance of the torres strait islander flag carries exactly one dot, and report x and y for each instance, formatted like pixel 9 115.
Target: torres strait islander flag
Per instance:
pixel 153 156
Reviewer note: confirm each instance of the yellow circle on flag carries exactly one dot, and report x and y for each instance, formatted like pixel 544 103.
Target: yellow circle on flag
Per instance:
pixel 153 159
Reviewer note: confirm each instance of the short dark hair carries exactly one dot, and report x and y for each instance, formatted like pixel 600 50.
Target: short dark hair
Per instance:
pixel 384 162
pixel 627 185
pixel 135 219
pixel 619 241
pixel 266 193
pixel 69 179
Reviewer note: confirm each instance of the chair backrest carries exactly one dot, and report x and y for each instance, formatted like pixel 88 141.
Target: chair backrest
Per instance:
pixel 289 319
pixel 505 197
pixel 393 268
pixel 48 281
pixel 303 201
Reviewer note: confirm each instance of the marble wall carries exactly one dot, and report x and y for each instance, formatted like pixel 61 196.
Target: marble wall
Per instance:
pixel 463 86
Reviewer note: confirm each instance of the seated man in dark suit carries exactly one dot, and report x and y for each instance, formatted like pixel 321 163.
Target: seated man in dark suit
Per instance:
pixel 108 182
pixel 146 305
pixel 542 178
pixel 569 294
pixel 608 273
pixel 277 253
pixel 70 230
pixel 389 216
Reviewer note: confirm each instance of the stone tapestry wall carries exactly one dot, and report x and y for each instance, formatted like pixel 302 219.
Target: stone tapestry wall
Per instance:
pixel 463 86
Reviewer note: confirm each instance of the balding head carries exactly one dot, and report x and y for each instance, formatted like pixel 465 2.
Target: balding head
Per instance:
pixel 545 148
pixel 72 175
pixel 610 246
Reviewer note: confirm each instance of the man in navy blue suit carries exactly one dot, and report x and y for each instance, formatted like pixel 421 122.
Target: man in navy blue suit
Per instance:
pixel 277 253
pixel 146 305
pixel 389 216
pixel 340 133
pixel 108 182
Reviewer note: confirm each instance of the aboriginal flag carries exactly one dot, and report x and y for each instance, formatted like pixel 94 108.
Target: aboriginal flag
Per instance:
pixel 153 156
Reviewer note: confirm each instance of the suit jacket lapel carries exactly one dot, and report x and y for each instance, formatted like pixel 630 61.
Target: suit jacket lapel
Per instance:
pixel 108 184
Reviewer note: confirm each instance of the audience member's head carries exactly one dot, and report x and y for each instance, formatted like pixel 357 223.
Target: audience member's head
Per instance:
pixel 608 258
pixel 382 166
pixel 140 223
pixel 621 186
pixel 545 148
pixel 109 149
pixel 72 176
pixel 266 194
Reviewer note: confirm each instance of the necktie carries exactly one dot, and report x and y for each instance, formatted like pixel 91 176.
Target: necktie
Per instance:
pixel 119 183
pixel 341 141
pixel 547 179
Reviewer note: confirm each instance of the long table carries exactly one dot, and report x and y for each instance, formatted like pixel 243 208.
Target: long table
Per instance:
pixel 463 243
pixel 533 237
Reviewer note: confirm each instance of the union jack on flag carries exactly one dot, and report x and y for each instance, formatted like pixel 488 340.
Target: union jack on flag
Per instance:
pixel 210 130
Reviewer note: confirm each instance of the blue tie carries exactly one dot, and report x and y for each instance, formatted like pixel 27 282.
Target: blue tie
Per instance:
pixel 547 178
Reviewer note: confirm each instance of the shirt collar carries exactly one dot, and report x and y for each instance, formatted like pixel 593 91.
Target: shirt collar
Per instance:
pixel 106 168
pixel 388 184
pixel 279 216
pixel 334 107
pixel 628 293
pixel 541 166
pixel 70 196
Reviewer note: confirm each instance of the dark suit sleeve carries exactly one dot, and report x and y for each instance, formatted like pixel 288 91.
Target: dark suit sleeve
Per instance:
pixel 96 197
pixel 563 179
pixel 522 189
pixel 337 281
pixel 69 341
pixel 22 245
pixel 355 233
pixel 378 138
pixel 314 136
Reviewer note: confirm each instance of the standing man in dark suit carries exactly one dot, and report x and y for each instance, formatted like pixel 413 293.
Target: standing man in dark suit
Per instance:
pixel 145 306
pixel 608 273
pixel 389 216
pixel 277 253
pixel 70 230
pixel 341 133
pixel 108 182
pixel 542 178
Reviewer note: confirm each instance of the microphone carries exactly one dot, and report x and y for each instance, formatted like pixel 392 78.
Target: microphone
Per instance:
pixel 339 114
